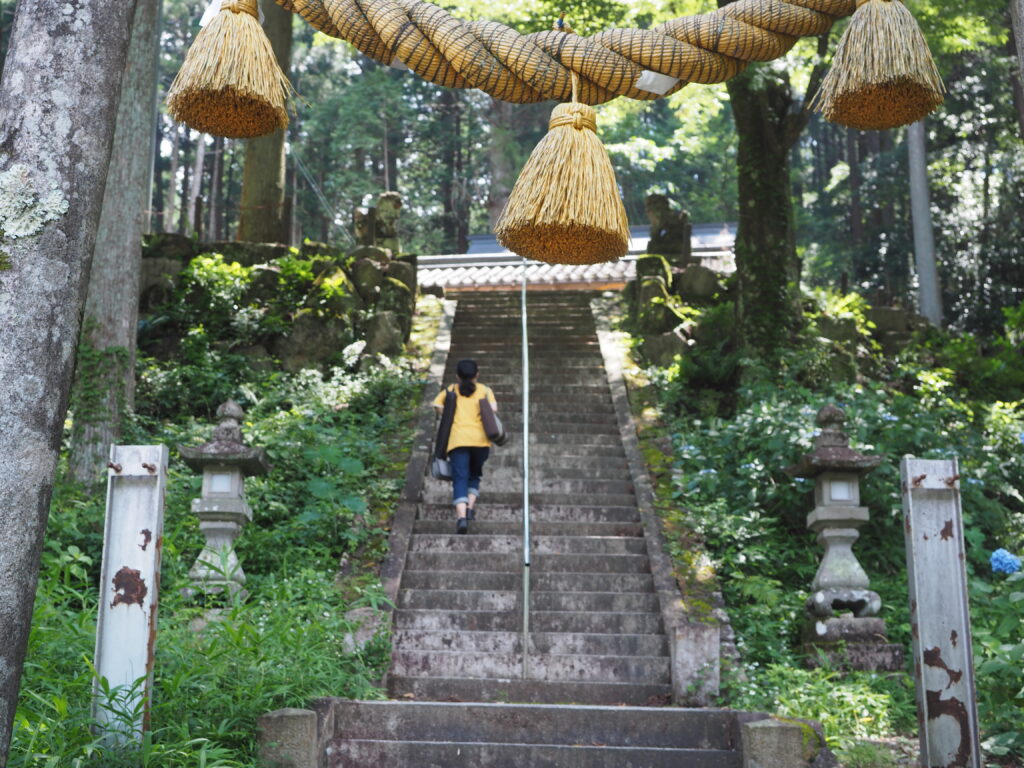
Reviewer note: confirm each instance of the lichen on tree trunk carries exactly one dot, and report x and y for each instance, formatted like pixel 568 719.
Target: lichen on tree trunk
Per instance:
pixel 58 101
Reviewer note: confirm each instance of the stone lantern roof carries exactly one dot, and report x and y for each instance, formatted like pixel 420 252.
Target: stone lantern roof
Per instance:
pixel 832 451
pixel 227 448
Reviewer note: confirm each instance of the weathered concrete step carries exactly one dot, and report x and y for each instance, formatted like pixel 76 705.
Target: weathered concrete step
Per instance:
pixel 432 754
pixel 599 644
pixel 665 727
pixel 484 527
pixel 519 690
pixel 458 599
pixel 608 622
pixel 540 545
pixel 546 667
pixel 556 463
pixel 594 622
pixel 469 621
pixel 507 480
pixel 475 599
pixel 492 510
pixel 512 562
pixel 440 494
pixel 539 582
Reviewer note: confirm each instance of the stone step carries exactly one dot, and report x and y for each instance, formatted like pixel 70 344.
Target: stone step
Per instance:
pixel 512 562
pixel 553 462
pixel 547 667
pixel 441 494
pixel 540 545
pixel 593 622
pixel 452 754
pixel 484 527
pixel 477 599
pixel 519 690
pixel 539 582
pixel 600 644
pixel 501 512
pixel 661 727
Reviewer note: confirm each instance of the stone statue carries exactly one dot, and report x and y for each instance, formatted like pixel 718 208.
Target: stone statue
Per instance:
pixel 365 225
pixel 670 230
pixel 389 205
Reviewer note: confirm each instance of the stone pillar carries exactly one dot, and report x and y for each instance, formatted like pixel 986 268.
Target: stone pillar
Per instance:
pixel 288 738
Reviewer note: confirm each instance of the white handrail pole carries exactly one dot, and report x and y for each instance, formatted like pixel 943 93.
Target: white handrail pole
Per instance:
pixel 526 483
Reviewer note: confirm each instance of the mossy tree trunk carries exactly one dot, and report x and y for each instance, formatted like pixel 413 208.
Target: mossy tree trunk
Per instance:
pixel 104 387
pixel 261 214
pixel 769 120
pixel 58 103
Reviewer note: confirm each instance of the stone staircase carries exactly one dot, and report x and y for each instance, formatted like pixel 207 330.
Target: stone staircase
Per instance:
pixel 599 666
pixel 596 633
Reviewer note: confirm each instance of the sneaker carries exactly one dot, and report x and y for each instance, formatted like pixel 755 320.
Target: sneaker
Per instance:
pixel 470 513
pixel 462 525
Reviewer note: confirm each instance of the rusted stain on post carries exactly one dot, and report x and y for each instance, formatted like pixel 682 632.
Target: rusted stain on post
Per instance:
pixel 129 587
pixel 147 536
pixel 940 624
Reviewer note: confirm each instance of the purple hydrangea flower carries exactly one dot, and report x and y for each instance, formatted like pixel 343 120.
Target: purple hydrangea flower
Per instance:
pixel 1004 562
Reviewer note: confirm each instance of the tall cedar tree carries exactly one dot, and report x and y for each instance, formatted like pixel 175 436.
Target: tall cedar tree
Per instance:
pixel 58 103
pixel 104 386
pixel 262 217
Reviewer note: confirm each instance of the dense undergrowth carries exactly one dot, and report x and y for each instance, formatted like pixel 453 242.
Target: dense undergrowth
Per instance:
pixel 735 424
pixel 337 439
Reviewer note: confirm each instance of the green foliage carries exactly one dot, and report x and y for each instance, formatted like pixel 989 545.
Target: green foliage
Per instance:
pixel 337 444
pixel 867 755
pixel 997 615
pixel 849 706
pixel 732 494
pixel 194 344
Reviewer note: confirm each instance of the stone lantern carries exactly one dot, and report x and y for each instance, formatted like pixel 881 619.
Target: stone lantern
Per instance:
pixel 225 462
pixel 842 610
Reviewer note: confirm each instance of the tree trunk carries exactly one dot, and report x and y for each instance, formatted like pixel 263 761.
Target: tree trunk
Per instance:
pixel 58 103
pixel 929 295
pixel 104 388
pixel 499 158
pixel 1017 17
pixel 262 207
pixel 856 205
pixel 172 183
pixel 767 266
pixel 183 214
pixel 1016 48
pixel 195 190
pixel 216 174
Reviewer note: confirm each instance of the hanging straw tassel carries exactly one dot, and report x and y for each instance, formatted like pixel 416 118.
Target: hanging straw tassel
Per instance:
pixel 882 75
pixel 231 84
pixel 565 206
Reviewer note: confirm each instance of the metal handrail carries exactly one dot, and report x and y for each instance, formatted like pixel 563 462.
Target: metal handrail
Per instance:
pixel 526 483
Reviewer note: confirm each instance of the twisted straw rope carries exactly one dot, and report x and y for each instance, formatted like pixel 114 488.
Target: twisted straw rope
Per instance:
pixel 707 48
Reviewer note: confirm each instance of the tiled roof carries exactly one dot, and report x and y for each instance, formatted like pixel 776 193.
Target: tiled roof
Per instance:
pixel 612 274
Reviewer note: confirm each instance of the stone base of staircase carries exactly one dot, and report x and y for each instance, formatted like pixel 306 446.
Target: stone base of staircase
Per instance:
pixel 431 734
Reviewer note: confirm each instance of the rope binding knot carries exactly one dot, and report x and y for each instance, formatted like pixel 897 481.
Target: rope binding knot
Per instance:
pixel 241 6
pixel 578 116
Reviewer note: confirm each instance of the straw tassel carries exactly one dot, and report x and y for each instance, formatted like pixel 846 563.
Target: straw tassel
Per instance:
pixel 882 75
pixel 231 84
pixel 565 206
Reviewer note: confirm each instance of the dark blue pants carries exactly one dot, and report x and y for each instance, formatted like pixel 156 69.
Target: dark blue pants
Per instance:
pixel 467 469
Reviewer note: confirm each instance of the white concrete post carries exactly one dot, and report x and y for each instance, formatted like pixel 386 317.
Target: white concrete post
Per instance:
pixel 939 621
pixel 129 582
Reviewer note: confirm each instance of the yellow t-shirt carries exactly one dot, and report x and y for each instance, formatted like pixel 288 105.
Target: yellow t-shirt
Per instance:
pixel 467 428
